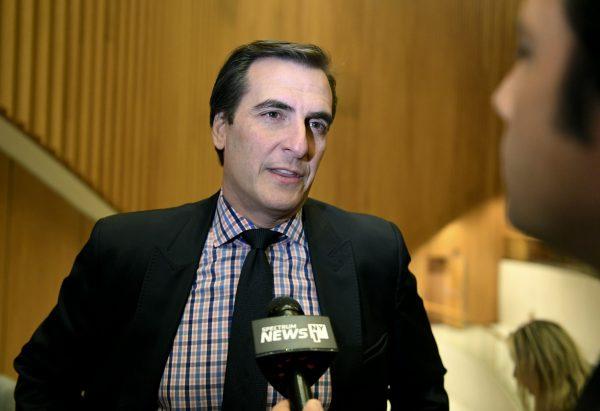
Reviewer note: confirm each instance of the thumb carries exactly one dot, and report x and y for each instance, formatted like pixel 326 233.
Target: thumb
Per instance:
pixel 313 405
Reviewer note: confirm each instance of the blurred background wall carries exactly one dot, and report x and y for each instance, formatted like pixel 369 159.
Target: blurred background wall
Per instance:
pixel 116 93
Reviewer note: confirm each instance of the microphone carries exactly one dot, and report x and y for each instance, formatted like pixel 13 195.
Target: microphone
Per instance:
pixel 293 350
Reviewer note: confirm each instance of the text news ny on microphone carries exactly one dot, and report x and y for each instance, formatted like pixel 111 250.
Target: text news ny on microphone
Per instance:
pixel 293 350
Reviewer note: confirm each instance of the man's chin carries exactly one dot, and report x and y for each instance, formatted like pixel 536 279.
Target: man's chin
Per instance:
pixel 522 220
pixel 539 223
pixel 287 204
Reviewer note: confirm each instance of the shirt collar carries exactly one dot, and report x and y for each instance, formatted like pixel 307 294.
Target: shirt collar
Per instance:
pixel 229 224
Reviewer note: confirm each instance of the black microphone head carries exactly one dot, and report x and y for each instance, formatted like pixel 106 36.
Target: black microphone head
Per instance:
pixel 288 344
pixel 284 305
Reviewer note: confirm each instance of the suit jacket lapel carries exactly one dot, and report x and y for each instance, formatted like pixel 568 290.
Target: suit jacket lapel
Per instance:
pixel 336 280
pixel 163 297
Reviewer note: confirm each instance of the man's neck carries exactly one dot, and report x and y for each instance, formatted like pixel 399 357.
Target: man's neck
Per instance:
pixel 261 219
pixel 266 221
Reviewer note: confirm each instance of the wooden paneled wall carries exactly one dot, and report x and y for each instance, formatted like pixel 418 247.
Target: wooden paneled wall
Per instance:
pixel 118 90
pixel 73 75
pixel 4 176
pixel 40 235
pixel 465 290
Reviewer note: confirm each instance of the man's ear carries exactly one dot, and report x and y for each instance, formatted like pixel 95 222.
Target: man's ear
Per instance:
pixel 219 130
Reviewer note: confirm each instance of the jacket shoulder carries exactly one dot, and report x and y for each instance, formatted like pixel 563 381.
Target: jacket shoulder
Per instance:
pixel 148 219
pixel 148 228
pixel 365 227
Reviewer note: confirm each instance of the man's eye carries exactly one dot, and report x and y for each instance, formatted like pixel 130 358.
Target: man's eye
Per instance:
pixel 318 126
pixel 523 51
pixel 272 115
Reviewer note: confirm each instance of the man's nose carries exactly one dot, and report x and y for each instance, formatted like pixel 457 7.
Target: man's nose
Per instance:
pixel 503 97
pixel 297 139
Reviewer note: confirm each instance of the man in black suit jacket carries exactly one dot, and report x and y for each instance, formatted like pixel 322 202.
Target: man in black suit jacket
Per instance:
pixel 107 343
pixel 551 152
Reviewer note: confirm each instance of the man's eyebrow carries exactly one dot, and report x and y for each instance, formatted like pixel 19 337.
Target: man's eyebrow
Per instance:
pixel 522 30
pixel 273 104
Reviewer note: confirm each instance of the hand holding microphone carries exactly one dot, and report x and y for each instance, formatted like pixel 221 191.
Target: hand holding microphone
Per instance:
pixel 311 405
pixel 293 350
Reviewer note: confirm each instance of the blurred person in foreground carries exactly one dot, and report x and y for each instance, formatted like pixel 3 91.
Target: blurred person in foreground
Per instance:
pixel 548 365
pixel 550 102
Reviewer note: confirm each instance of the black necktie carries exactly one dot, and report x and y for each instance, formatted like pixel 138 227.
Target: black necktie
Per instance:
pixel 245 386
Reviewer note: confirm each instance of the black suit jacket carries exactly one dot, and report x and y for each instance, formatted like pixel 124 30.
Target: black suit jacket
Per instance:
pixel 105 344
pixel 590 397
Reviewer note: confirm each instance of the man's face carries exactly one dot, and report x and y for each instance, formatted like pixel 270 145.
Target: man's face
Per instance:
pixel 276 141
pixel 551 178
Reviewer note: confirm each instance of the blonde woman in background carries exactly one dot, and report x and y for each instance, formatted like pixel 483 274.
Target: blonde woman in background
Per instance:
pixel 548 365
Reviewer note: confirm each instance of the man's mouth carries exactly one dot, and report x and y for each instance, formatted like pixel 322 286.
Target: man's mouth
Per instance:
pixel 286 173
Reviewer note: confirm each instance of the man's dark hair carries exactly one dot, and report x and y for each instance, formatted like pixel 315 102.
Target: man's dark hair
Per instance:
pixel 581 86
pixel 231 83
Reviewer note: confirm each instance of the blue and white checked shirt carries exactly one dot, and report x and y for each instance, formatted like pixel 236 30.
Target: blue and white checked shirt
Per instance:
pixel 194 375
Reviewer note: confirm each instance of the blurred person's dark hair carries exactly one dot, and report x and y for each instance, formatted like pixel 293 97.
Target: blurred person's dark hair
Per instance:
pixel 548 364
pixel 231 85
pixel 581 88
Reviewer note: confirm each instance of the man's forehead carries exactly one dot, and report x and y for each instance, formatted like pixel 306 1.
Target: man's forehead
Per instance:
pixel 276 65
pixel 272 75
pixel 542 19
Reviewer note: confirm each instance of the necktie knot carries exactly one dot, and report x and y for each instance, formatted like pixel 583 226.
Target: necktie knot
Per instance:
pixel 260 238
